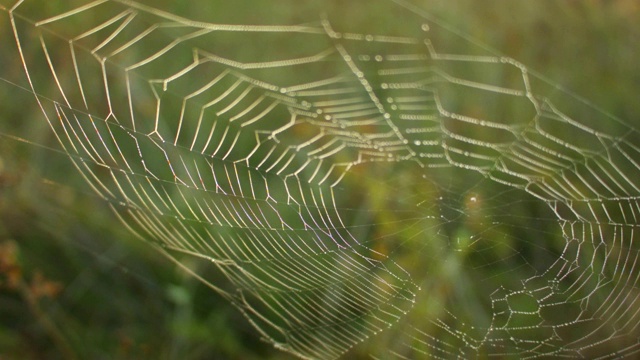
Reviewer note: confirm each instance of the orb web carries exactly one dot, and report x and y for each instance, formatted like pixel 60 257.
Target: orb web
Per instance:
pixel 358 187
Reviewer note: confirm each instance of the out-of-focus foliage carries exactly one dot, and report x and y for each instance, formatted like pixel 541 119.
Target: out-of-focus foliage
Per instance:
pixel 73 281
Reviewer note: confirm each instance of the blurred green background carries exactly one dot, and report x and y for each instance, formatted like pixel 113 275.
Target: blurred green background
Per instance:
pixel 75 284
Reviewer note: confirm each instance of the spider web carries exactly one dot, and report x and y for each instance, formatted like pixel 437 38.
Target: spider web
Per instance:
pixel 352 188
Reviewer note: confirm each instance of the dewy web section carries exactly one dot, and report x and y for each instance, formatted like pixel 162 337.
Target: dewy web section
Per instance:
pixel 354 186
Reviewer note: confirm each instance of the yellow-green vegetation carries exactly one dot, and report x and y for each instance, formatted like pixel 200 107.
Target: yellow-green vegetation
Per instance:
pixel 76 283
